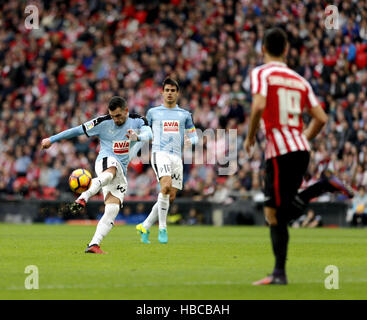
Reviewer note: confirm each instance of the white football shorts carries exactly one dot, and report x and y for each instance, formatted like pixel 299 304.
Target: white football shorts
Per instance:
pixel 166 164
pixel 118 185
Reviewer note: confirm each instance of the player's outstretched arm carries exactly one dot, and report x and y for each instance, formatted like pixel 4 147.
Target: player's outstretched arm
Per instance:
pixel 46 143
pixel 67 134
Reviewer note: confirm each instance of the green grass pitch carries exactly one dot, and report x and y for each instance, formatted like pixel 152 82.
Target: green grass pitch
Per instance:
pixel 199 262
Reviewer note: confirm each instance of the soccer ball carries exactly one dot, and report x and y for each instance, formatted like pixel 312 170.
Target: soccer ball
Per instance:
pixel 80 180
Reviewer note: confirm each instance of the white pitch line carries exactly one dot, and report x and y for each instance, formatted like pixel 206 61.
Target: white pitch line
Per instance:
pixel 156 284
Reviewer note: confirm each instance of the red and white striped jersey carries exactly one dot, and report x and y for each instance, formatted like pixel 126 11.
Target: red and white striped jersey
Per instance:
pixel 287 94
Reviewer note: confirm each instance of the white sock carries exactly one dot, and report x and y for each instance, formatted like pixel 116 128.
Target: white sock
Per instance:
pixel 105 224
pixel 152 218
pixel 97 183
pixel 163 206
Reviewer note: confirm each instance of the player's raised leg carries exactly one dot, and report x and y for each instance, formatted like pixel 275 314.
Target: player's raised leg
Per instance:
pixel 105 224
pixel 328 182
pixel 102 179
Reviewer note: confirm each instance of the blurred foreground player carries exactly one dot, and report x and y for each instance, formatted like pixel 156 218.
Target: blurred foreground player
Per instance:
pixel 119 134
pixel 280 96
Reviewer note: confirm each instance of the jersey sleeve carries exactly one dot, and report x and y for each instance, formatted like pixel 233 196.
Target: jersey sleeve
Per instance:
pixel 259 82
pixel 145 133
pixel 141 122
pixel 149 118
pixel 135 149
pixel 67 134
pixel 311 99
pixel 92 128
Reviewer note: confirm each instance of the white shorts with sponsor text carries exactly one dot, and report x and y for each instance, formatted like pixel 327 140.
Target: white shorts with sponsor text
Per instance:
pixel 166 164
pixel 118 185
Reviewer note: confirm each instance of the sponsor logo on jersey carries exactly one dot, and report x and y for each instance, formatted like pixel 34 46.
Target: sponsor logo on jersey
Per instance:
pixel 171 126
pixel 121 147
pixel 89 125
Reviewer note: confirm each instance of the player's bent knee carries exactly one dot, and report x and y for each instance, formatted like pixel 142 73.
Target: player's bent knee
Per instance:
pixel 272 223
pixel 105 178
pixel 172 197
pixel 165 183
pixel 270 216
pixel 172 194
pixel 165 187
pixel 271 220
pixel 165 190
pixel 111 170
pixel 111 199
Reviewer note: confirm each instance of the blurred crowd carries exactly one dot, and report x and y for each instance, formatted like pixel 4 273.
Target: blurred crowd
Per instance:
pixel 86 51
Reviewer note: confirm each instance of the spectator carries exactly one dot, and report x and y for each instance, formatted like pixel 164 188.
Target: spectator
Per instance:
pixel 308 220
pixel 130 217
pixel 174 217
pixel 65 72
pixel 359 208
pixel 194 217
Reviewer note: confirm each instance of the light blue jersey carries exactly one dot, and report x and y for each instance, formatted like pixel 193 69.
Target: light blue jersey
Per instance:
pixel 113 139
pixel 169 126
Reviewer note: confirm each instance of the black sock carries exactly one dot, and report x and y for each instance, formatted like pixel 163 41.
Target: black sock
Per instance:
pixel 279 239
pixel 314 191
pixel 301 200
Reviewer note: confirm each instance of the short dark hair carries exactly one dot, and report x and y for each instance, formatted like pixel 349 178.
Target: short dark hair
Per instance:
pixel 275 41
pixel 117 102
pixel 171 82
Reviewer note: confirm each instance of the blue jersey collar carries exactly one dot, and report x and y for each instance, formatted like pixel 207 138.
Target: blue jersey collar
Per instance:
pixel 169 108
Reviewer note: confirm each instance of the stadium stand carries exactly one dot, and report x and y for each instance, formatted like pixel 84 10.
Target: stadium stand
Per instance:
pixel 84 52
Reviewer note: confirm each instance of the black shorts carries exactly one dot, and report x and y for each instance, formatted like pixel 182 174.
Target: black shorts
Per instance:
pixel 283 177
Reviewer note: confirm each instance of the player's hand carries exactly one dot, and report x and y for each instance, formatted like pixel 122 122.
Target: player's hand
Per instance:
pixel 132 135
pixel 46 143
pixel 249 144
pixel 187 142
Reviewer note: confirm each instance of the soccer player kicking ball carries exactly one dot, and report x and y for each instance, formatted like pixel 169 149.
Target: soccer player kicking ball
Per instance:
pixel 118 133
pixel 169 123
pixel 280 96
